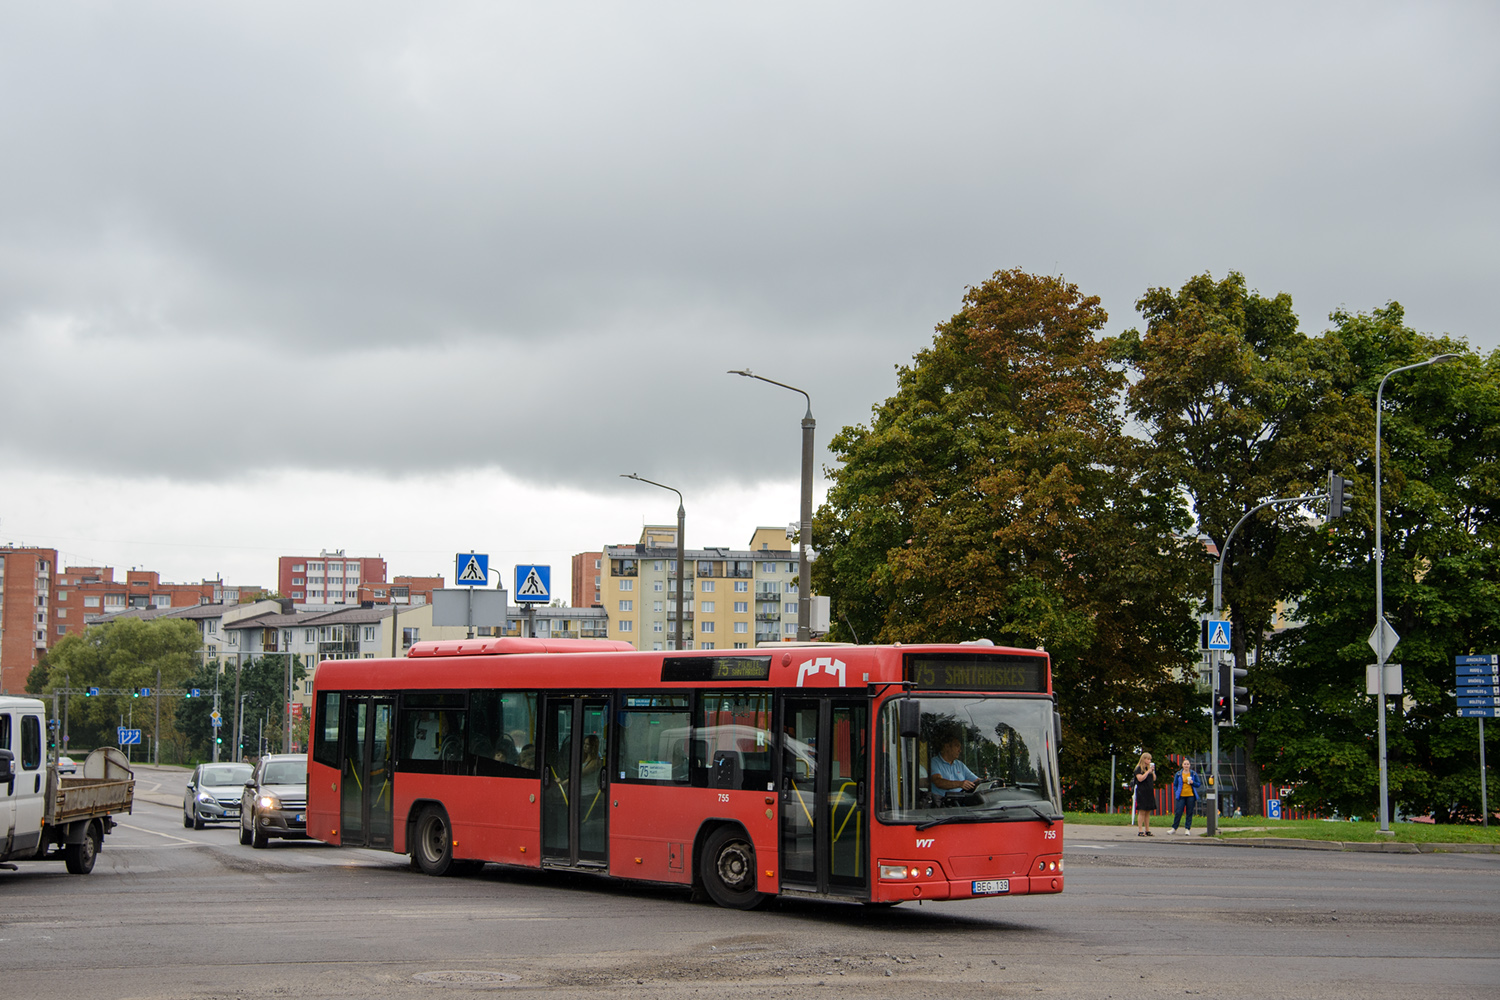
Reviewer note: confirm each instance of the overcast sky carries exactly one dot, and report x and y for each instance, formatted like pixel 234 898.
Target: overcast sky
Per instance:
pixel 410 279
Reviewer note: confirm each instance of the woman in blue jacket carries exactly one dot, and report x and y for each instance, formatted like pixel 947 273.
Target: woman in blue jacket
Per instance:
pixel 1187 789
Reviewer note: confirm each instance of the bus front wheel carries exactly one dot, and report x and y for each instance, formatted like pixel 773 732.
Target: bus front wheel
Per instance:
pixel 432 842
pixel 728 867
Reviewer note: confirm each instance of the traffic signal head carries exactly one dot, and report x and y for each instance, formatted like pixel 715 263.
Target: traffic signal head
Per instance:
pixel 1338 496
pixel 1231 701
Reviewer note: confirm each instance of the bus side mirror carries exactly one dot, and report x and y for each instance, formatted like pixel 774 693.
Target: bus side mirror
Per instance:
pixel 909 717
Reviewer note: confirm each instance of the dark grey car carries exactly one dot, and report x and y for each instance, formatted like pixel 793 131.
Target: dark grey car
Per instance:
pixel 273 803
pixel 213 794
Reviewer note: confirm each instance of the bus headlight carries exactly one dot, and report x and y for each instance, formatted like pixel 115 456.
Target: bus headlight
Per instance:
pixel 893 871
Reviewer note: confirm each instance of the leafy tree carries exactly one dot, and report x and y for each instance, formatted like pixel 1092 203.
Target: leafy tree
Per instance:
pixel 263 686
pixel 1440 436
pixel 996 495
pixel 1240 407
pixel 128 654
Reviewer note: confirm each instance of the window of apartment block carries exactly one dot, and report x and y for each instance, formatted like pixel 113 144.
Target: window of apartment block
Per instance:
pixel 656 566
pixel 769 567
pixel 299 569
pixel 742 626
pixel 409 636
pixel 91 602
pixel 742 645
pixel 790 607
pixel 741 607
pixel 626 585
pixel 656 626
pixel 211 626
pixel 656 586
pixel 742 586
pixel 623 567
pixel 705 626
pixel 315 566
pixel 162 600
pixel 706 645
pixel 627 605
pixel 369 633
pixel 114 600
pixel 705 568
pixel 62 595
pixel 707 586
pixel 297 595
pixel 708 607
pixel 298 581
pixel 627 626
pixel 791 567
pixel 790 628
pixel 791 587
pixel 62 612
pixel 656 606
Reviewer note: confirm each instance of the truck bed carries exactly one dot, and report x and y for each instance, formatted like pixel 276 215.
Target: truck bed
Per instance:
pixel 72 799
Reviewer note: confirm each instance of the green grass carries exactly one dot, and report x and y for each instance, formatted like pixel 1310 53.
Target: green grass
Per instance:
pixel 1250 826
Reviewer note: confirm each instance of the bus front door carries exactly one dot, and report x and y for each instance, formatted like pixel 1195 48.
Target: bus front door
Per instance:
pixel 366 766
pixel 825 833
pixel 575 792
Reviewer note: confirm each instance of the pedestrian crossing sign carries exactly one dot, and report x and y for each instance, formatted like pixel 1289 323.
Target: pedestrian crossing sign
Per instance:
pixel 533 584
pixel 1218 634
pixel 473 569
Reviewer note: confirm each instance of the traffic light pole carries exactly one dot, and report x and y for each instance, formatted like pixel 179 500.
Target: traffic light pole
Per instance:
pixel 1214 671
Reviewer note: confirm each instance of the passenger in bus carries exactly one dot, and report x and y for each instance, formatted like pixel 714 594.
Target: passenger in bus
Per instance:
pixel 950 776
pixel 593 761
pixel 506 752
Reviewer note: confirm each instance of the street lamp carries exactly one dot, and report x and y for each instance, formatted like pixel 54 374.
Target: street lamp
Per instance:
pixel 681 515
pixel 1214 692
pixel 1381 652
pixel 804 532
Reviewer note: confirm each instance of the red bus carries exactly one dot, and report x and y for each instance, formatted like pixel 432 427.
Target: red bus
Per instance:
pixel 799 770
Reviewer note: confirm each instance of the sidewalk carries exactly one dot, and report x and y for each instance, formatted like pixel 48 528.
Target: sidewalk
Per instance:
pixel 1084 833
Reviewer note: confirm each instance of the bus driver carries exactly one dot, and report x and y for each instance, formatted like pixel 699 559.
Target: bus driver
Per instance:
pixel 950 776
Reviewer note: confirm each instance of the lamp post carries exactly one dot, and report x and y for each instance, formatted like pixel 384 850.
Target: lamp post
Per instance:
pixel 1213 687
pixel 804 527
pixel 681 515
pixel 1381 652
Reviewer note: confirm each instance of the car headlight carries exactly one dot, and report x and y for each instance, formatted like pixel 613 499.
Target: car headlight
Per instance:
pixel 206 798
pixel 268 801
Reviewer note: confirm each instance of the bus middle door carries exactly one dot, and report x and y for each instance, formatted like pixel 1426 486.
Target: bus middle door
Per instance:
pixel 575 781
pixel 824 816
pixel 366 768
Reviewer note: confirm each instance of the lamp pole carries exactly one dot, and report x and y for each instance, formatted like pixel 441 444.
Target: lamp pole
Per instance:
pixel 1381 652
pixel 804 527
pixel 681 515
pixel 1213 686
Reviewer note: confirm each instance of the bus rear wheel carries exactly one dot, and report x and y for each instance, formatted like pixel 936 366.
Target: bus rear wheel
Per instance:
pixel 728 867
pixel 432 842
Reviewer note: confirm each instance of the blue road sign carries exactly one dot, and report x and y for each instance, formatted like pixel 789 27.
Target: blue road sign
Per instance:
pixel 1218 634
pixel 145 692
pixel 472 569
pixel 1480 674
pixel 533 584
pixel 1478 713
pixel 1484 701
pixel 195 693
pixel 1482 691
pixel 1488 659
pixel 1273 808
pixel 129 736
pixel 92 692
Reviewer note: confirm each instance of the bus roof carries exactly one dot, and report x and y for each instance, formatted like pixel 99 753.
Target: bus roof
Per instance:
pixel 601 664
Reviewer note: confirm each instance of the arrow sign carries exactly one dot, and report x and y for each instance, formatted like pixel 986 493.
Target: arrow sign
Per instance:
pixel 1477 670
pixel 1489 659
pixel 129 737
pixel 1488 702
pixel 473 569
pixel 1478 713
pixel 1384 632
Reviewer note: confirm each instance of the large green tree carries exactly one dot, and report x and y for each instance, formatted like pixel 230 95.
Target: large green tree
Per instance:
pixel 996 495
pixel 1440 459
pixel 128 655
pixel 1240 407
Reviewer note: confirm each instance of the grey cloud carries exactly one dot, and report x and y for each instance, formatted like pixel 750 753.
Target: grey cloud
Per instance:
pixel 536 237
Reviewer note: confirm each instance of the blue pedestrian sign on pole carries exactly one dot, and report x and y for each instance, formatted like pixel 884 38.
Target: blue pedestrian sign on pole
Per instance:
pixel 1218 634
pixel 129 737
pixel 533 584
pixel 472 569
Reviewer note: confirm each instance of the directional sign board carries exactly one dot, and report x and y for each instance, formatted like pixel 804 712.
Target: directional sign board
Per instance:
pixel 1479 713
pixel 533 584
pixel 1483 659
pixel 1477 681
pixel 1218 634
pixel 129 737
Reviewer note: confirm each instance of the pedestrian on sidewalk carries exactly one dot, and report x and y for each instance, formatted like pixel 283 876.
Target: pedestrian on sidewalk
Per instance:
pixel 1143 795
pixel 1186 791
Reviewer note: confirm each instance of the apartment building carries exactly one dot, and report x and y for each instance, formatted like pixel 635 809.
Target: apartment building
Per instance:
pixel 401 590
pixel 85 593
pixel 26 622
pixel 732 598
pixel 588 570
pixel 327 578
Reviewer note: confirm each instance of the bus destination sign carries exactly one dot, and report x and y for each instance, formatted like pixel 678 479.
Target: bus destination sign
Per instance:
pixel 977 672
pixel 716 668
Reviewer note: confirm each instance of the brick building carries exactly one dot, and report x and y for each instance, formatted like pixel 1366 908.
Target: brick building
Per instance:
pixel 84 593
pixel 26 622
pixel 401 590
pixel 327 578
pixel 587 568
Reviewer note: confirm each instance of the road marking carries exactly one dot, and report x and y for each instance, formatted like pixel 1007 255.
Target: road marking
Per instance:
pixel 169 836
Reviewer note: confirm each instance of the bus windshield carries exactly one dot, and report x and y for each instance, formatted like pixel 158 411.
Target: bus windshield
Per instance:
pixel 995 757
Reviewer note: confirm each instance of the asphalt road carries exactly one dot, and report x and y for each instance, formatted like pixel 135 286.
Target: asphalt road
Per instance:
pixel 176 913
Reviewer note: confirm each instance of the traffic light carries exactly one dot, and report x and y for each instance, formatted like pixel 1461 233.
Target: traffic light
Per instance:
pixel 1228 703
pixel 1338 492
